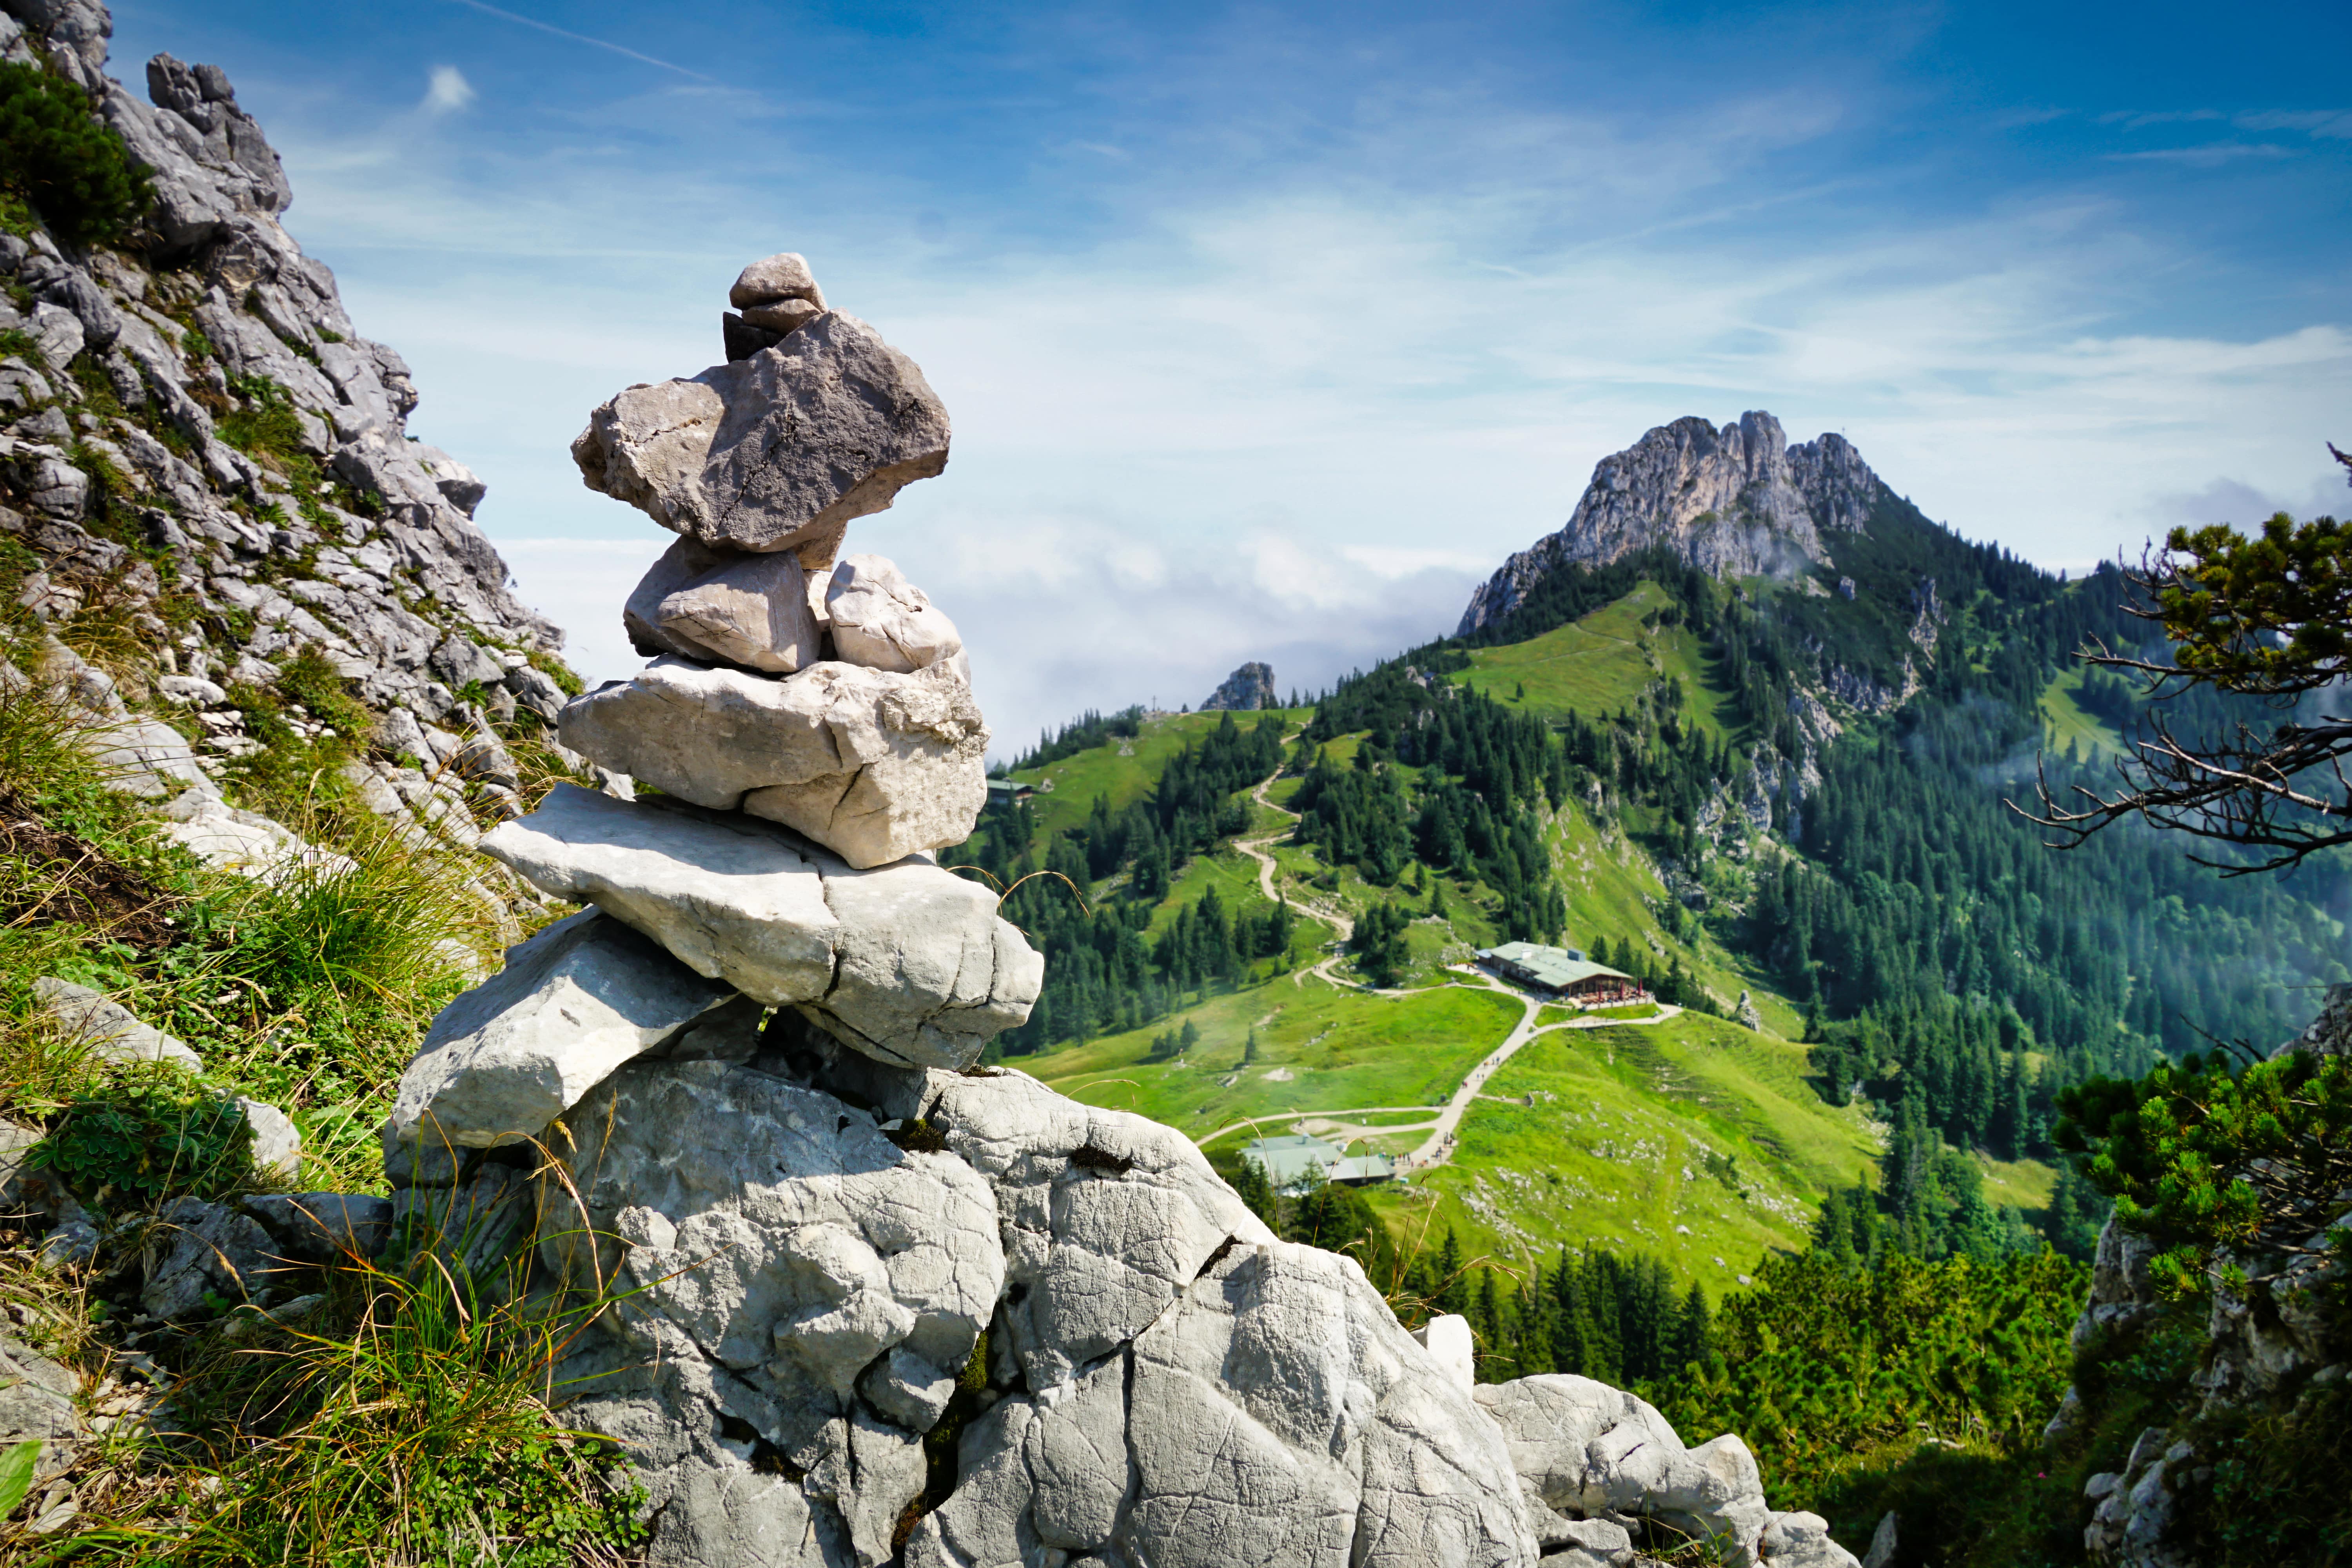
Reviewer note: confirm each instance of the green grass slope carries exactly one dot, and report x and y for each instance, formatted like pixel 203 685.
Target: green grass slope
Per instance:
pixel 1693 1139
pixel 2065 727
pixel 1602 663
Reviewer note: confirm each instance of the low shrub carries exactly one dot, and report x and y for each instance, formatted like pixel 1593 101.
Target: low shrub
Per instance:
pixel 58 157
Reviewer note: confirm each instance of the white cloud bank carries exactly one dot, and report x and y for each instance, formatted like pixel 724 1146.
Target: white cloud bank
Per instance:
pixel 1297 425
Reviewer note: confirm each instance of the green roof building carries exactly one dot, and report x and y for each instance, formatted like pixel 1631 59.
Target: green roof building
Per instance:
pixel 1562 971
pixel 1293 1160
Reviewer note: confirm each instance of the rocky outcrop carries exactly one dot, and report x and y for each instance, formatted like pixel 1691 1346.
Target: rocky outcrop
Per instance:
pixel 1738 502
pixel 200 442
pixel 1246 690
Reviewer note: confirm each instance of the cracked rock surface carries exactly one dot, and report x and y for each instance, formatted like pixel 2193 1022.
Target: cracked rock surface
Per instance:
pixel 873 765
pixel 776 451
pixel 908 962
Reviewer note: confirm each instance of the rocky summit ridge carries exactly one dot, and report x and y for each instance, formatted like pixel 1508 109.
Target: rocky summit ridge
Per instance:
pixel 136 375
pixel 1738 502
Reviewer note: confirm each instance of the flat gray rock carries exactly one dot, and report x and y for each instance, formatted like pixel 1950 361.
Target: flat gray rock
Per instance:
pixel 778 451
pixel 873 765
pixel 142 756
pixel 750 611
pixel 908 962
pixel 106 1028
pixel 513 1054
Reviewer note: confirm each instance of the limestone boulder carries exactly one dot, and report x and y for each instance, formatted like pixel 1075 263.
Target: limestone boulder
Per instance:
pixel 37 1406
pixel 873 765
pixel 726 607
pixel 1276 1403
pixel 884 622
pixel 767 1245
pixel 317 1226
pixel 1583 1451
pixel 510 1056
pixel 774 280
pixel 195 1249
pixel 777 451
pixel 907 962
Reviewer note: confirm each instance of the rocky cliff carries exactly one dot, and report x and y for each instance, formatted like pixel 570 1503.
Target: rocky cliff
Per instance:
pixel 1739 501
pixel 197 447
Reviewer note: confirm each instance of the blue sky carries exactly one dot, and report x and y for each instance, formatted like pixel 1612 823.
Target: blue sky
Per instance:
pixel 1266 331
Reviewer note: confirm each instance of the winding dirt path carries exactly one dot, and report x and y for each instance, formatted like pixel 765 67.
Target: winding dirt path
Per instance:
pixel 1255 849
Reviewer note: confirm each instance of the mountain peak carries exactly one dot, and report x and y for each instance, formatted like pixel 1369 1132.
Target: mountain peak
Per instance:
pixel 1737 500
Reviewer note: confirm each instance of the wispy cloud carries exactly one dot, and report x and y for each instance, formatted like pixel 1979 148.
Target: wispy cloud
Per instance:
pixel 583 39
pixel 2213 155
pixel 2331 125
pixel 447 90
pixel 2138 120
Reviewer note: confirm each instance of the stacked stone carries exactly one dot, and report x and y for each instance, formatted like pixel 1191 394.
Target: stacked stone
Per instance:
pixel 836 1266
pixel 812 737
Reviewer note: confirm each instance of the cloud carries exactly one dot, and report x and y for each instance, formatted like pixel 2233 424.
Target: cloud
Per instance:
pixel 582 38
pixel 447 91
pixel 2332 124
pixel 1296 416
pixel 2209 156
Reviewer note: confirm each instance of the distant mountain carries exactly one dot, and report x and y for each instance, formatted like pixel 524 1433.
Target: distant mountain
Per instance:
pixel 1246 690
pixel 1738 502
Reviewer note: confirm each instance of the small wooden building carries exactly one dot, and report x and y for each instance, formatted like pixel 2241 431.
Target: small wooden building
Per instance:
pixel 1563 973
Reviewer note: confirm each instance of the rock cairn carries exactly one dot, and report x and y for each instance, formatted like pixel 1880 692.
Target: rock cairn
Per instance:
pixel 859 1299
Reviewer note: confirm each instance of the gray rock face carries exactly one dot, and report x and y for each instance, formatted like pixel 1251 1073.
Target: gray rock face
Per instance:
pixel 1276 1403
pixel 778 451
pixel 750 611
pixel 37 1406
pixel 909 962
pixel 1167 1379
pixel 1583 1451
pixel 1735 501
pixel 1246 690
pixel 884 622
pixel 108 1029
pixel 774 1245
pixel 872 765
pixel 513 1054
pixel 316 1227
pixel 196 1249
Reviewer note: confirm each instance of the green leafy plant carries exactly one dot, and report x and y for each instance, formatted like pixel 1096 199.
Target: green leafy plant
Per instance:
pixel 56 155
pixel 142 1142
pixel 2205 1161
pixel 17 1463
